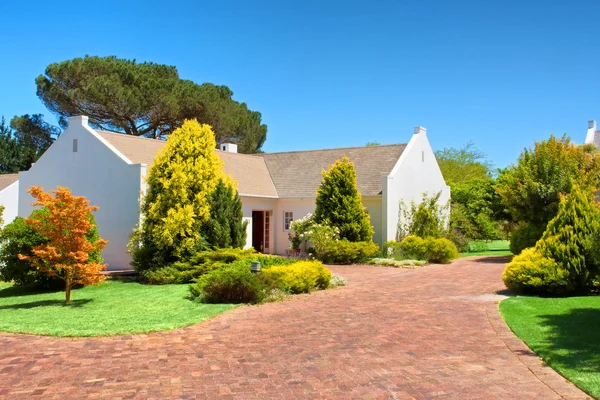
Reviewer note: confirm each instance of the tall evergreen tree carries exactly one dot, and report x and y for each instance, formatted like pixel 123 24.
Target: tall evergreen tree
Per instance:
pixel 177 203
pixel 225 226
pixel 339 203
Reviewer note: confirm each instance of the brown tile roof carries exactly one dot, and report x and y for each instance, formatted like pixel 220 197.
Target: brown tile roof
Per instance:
pixel 294 174
pixel 298 173
pixel 250 172
pixel 7 179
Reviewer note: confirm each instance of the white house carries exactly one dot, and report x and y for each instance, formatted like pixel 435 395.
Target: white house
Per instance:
pixel 9 196
pixel 109 169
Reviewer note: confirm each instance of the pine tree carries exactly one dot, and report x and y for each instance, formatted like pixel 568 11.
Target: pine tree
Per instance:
pixel 177 203
pixel 225 227
pixel 339 203
pixel 567 237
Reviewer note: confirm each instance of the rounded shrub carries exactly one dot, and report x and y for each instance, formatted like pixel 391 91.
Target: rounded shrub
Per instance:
pixel 414 247
pixel 440 250
pixel 231 285
pixel 300 277
pixel 525 236
pixel 532 272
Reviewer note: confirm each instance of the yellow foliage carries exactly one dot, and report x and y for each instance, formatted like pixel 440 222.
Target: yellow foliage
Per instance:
pixel 300 277
pixel 184 174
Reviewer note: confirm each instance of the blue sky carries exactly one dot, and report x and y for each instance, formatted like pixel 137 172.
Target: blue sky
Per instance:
pixel 341 73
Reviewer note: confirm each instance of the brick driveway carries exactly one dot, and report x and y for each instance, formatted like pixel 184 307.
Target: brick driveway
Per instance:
pixel 391 333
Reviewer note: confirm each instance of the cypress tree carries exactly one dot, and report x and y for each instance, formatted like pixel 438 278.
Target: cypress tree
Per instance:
pixel 225 226
pixel 339 203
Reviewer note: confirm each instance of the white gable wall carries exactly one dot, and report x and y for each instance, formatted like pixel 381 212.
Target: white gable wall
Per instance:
pixel 98 172
pixel 416 172
pixel 9 198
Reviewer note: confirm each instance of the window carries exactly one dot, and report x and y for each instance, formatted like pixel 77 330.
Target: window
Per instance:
pixel 288 217
pixel 74 145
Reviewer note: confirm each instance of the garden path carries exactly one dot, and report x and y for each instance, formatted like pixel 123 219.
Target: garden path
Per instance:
pixel 433 332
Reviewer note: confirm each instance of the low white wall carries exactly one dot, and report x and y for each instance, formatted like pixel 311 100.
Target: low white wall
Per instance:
pixel 9 198
pixel 97 173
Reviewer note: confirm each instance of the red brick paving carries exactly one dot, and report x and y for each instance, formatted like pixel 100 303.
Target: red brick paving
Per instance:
pixel 430 333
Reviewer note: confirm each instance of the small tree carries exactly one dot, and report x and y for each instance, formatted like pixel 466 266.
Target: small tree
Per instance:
pixel 225 226
pixel 339 203
pixel 66 225
pixel 177 204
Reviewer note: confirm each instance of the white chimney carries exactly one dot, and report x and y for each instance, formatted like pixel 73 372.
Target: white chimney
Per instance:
pixel 229 147
pixel 420 130
pixel 80 120
pixel 591 132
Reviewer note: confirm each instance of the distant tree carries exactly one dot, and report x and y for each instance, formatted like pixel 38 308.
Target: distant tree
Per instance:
pixel 464 164
pixel 145 99
pixel 339 203
pixel 177 203
pixel 33 136
pixel 9 150
pixel 66 224
pixel 371 144
pixel 225 226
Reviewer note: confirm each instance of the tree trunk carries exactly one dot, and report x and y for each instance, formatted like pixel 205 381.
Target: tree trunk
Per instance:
pixel 68 288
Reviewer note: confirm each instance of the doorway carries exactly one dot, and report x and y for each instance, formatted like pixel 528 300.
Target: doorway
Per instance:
pixel 261 231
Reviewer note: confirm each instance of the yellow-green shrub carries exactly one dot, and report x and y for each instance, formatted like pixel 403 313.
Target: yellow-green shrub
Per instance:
pixel 530 271
pixel 346 252
pixel 433 250
pixel 300 277
pixel 414 247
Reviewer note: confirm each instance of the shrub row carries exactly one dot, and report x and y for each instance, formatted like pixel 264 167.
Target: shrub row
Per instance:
pixel 236 284
pixel 345 252
pixel 206 261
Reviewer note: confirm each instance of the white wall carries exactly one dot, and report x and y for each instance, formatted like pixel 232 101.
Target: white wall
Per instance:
pixel 416 172
pixel 300 208
pixel 373 204
pixel 95 171
pixel 9 198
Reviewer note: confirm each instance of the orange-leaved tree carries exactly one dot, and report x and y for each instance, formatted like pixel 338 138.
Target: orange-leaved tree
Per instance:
pixel 65 223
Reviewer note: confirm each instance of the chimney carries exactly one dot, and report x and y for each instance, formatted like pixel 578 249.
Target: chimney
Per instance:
pixel 229 147
pixel 591 132
pixel 79 120
pixel 420 130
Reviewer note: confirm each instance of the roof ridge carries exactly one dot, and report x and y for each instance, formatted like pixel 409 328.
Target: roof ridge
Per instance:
pixel 334 148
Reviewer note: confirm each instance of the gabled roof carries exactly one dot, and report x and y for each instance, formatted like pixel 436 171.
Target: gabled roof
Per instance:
pixel 292 174
pixel 298 173
pixel 7 179
pixel 250 172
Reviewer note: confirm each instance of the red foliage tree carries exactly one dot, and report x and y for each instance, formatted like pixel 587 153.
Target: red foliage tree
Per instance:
pixel 65 225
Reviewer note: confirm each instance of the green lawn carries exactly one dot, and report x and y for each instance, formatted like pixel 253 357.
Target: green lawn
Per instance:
pixel 494 248
pixel 109 309
pixel 565 332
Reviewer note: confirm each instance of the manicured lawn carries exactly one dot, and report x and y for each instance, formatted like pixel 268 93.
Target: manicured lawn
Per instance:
pixel 494 248
pixel 109 309
pixel 565 332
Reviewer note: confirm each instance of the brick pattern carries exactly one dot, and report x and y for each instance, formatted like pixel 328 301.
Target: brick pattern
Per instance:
pixel 429 333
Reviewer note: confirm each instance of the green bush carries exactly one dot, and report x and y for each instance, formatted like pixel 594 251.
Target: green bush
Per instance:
pixel 525 236
pixel 19 238
pixel 440 250
pixel 345 252
pixel 300 277
pixel 231 285
pixel 458 238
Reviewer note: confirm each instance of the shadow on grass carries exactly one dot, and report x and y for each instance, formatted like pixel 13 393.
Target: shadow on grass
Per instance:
pixel 494 260
pixel 46 303
pixel 573 340
pixel 17 291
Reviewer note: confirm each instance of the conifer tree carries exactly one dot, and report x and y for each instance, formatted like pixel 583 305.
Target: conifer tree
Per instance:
pixel 177 203
pixel 339 203
pixel 225 227
pixel 567 237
